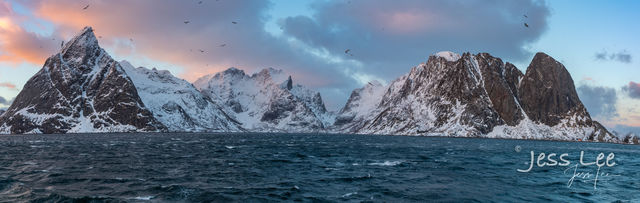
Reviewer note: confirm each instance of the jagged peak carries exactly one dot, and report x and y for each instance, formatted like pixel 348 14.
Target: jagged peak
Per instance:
pixel 270 74
pixel 373 83
pixel 154 70
pixel 543 62
pixel 448 55
pixel 289 83
pixel 85 38
pixel 233 71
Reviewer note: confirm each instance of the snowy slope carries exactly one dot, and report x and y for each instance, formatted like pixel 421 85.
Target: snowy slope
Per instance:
pixel 471 96
pixel 361 103
pixel 266 101
pixel 177 104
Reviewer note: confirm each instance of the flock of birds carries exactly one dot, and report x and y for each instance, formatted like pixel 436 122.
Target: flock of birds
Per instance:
pixel 346 52
pixel 131 39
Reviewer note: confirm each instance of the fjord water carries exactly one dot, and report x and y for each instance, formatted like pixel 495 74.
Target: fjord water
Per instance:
pixel 307 167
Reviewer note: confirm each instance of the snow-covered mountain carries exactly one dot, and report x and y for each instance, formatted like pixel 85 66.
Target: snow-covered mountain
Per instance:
pixel 474 96
pixel 362 102
pixel 631 138
pixel 266 101
pixel 627 138
pixel 80 89
pixel 177 104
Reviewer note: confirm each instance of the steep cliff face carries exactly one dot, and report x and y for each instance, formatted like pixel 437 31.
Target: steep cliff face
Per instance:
pixel 443 96
pixel 476 96
pixel 547 92
pixel 553 110
pixel 266 101
pixel 177 104
pixel 80 89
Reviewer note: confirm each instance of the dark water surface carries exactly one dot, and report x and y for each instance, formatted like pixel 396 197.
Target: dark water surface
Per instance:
pixel 306 167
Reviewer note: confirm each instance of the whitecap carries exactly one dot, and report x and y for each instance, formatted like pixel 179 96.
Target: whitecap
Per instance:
pixel 386 163
pixel 349 194
pixel 144 198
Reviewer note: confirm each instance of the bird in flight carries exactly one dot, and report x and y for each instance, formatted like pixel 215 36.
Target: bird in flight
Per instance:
pixel 222 45
pixel 526 25
pixel 525 16
pixel 347 52
pixel 234 22
pixel 186 22
pixel 199 2
pixel 86 7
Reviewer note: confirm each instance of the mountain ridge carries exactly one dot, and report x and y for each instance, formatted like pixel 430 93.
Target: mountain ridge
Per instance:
pixel 449 95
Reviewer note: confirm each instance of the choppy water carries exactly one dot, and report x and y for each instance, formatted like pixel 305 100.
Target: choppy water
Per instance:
pixel 307 167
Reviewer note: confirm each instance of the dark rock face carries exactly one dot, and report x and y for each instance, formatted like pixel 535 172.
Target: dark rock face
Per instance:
pixel 500 82
pixel 289 83
pixel 547 91
pixel 471 95
pixel 440 96
pixel 80 89
pixel 631 139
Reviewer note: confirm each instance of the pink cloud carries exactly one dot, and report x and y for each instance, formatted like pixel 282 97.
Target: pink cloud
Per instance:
pixel 8 85
pixel 18 45
pixel 633 89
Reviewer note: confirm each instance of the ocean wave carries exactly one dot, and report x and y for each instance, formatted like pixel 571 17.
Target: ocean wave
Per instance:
pixel 386 163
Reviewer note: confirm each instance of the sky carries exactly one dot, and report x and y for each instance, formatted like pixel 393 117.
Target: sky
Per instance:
pixel 595 40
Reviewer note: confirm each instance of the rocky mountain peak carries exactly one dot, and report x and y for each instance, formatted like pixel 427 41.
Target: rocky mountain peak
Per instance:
pixel 233 71
pixel 82 46
pixel 80 89
pixel 268 75
pixel 448 55
pixel 548 93
pixel 289 83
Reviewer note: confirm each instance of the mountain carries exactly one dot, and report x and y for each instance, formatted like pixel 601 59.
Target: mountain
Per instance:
pixel 474 96
pixel 177 104
pixel 80 89
pixel 630 138
pixel 361 102
pixel 266 101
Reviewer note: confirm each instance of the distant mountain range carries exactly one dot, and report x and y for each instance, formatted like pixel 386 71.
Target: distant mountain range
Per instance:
pixel 82 89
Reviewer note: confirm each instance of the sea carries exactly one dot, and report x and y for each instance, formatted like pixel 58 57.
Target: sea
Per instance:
pixel 259 167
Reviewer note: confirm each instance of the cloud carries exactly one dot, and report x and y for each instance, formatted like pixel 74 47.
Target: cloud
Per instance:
pixel 632 89
pixel 11 86
pixel 388 37
pixel 599 101
pixel 17 44
pixel 621 56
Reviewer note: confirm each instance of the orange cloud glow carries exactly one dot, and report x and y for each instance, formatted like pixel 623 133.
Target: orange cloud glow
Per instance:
pixel 8 85
pixel 18 45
